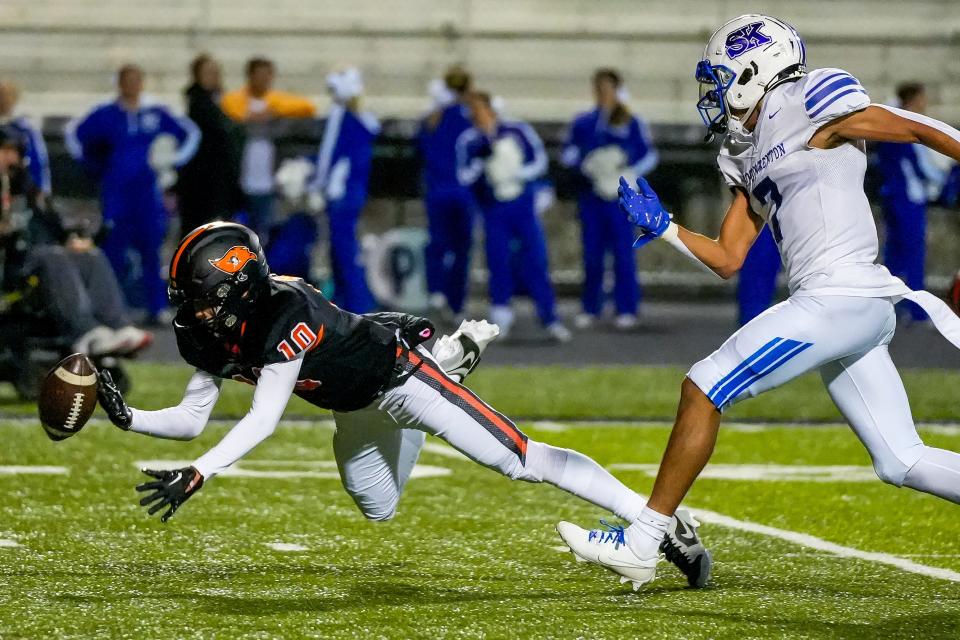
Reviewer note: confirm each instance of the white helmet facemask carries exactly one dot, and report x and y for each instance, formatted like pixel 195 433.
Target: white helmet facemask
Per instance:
pixel 744 59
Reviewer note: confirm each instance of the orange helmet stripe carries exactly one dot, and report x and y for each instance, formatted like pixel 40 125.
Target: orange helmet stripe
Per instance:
pixel 183 246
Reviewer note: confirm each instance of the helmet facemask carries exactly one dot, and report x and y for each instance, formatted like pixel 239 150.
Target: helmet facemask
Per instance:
pixel 744 59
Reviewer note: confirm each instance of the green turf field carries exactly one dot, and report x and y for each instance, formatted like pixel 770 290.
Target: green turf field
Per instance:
pixel 279 550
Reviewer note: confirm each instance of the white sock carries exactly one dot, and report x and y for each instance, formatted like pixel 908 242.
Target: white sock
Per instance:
pixel 646 533
pixel 576 473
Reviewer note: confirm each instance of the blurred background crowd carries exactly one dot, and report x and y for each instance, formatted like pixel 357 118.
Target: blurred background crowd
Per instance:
pixel 484 184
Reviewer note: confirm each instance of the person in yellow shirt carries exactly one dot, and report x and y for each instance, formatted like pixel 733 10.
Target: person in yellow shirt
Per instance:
pixel 256 104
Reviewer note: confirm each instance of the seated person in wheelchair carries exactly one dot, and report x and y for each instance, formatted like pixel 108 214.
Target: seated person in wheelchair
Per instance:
pixel 77 288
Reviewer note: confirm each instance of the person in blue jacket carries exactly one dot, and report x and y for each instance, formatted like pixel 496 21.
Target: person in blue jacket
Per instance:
pixel 602 145
pixel 501 161
pixel 35 151
pixel 340 183
pixel 905 174
pixel 450 206
pixel 129 145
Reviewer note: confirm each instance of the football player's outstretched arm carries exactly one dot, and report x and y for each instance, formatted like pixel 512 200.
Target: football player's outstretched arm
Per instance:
pixel 881 123
pixel 723 255
pixel 182 422
pixel 170 488
pixel 274 388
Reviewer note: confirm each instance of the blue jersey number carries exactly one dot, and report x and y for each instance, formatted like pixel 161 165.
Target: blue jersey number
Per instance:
pixel 767 190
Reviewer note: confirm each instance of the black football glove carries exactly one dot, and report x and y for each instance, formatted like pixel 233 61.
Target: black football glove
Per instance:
pixel 112 401
pixel 413 329
pixel 171 488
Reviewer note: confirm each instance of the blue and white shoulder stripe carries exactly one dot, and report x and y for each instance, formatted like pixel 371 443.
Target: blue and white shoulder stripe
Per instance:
pixel 831 93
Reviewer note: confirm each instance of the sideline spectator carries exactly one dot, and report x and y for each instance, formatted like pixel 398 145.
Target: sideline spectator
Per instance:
pixel 340 185
pixel 127 144
pixel 450 206
pixel 38 164
pixel 604 144
pixel 78 288
pixel 905 175
pixel 501 161
pixel 209 185
pixel 256 104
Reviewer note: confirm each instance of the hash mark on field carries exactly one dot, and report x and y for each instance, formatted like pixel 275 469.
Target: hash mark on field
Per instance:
pixel 286 546
pixel 8 544
pixel 32 470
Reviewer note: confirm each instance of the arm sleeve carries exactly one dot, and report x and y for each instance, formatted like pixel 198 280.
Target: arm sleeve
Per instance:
pixel 536 166
pixel 234 104
pixel 186 420
pixel 570 155
pixel 289 105
pixel 645 153
pixel 39 161
pixel 78 133
pixel 274 387
pixel 830 94
pixel 469 167
pixel 328 144
pixel 185 131
pixel 933 123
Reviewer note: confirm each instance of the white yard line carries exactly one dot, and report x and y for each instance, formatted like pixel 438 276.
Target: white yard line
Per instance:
pixel 444 450
pixel 549 425
pixel 6 543
pixel 813 542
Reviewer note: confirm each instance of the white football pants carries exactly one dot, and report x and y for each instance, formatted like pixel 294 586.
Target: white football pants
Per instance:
pixel 377 447
pixel 846 339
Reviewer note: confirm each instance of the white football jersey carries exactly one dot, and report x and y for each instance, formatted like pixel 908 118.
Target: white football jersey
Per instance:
pixel 812 199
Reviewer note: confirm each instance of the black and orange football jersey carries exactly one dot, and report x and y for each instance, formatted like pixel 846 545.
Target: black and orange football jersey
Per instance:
pixel 348 359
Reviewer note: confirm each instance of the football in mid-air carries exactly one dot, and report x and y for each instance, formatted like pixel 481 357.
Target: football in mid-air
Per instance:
pixel 68 396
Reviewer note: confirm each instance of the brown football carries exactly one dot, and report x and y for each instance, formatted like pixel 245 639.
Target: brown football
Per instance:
pixel 68 396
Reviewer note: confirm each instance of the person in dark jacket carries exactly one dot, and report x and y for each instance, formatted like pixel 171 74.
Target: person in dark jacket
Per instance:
pixel 209 185
pixel 76 284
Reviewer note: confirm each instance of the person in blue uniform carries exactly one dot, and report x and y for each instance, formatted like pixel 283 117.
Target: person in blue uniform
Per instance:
pixel 757 280
pixel 903 198
pixel 501 161
pixel 340 185
pixel 602 145
pixel 450 207
pixel 128 145
pixel 35 150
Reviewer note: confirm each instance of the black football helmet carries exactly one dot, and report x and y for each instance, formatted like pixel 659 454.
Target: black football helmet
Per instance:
pixel 221 267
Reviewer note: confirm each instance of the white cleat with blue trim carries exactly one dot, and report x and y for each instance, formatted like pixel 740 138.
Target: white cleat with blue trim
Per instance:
pixel 607 547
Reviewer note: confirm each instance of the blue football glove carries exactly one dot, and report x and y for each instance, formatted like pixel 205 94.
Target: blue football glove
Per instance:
pixel 643 208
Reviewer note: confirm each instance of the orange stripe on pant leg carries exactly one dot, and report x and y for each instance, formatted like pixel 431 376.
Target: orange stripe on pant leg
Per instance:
pixel 474 402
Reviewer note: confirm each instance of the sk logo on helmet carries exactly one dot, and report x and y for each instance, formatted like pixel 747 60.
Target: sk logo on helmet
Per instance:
pixel 746 38
pixel 234 259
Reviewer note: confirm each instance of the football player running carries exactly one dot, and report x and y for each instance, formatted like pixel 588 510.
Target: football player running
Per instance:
pixel 236 320
pixel 793 156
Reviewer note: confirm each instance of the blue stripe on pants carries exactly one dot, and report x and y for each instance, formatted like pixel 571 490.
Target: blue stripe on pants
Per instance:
pixel 755 368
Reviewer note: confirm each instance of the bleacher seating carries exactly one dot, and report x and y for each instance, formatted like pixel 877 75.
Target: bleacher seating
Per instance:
pixel 538 54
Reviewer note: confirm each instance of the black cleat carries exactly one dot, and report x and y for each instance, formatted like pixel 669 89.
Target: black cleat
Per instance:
pixel 682 548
